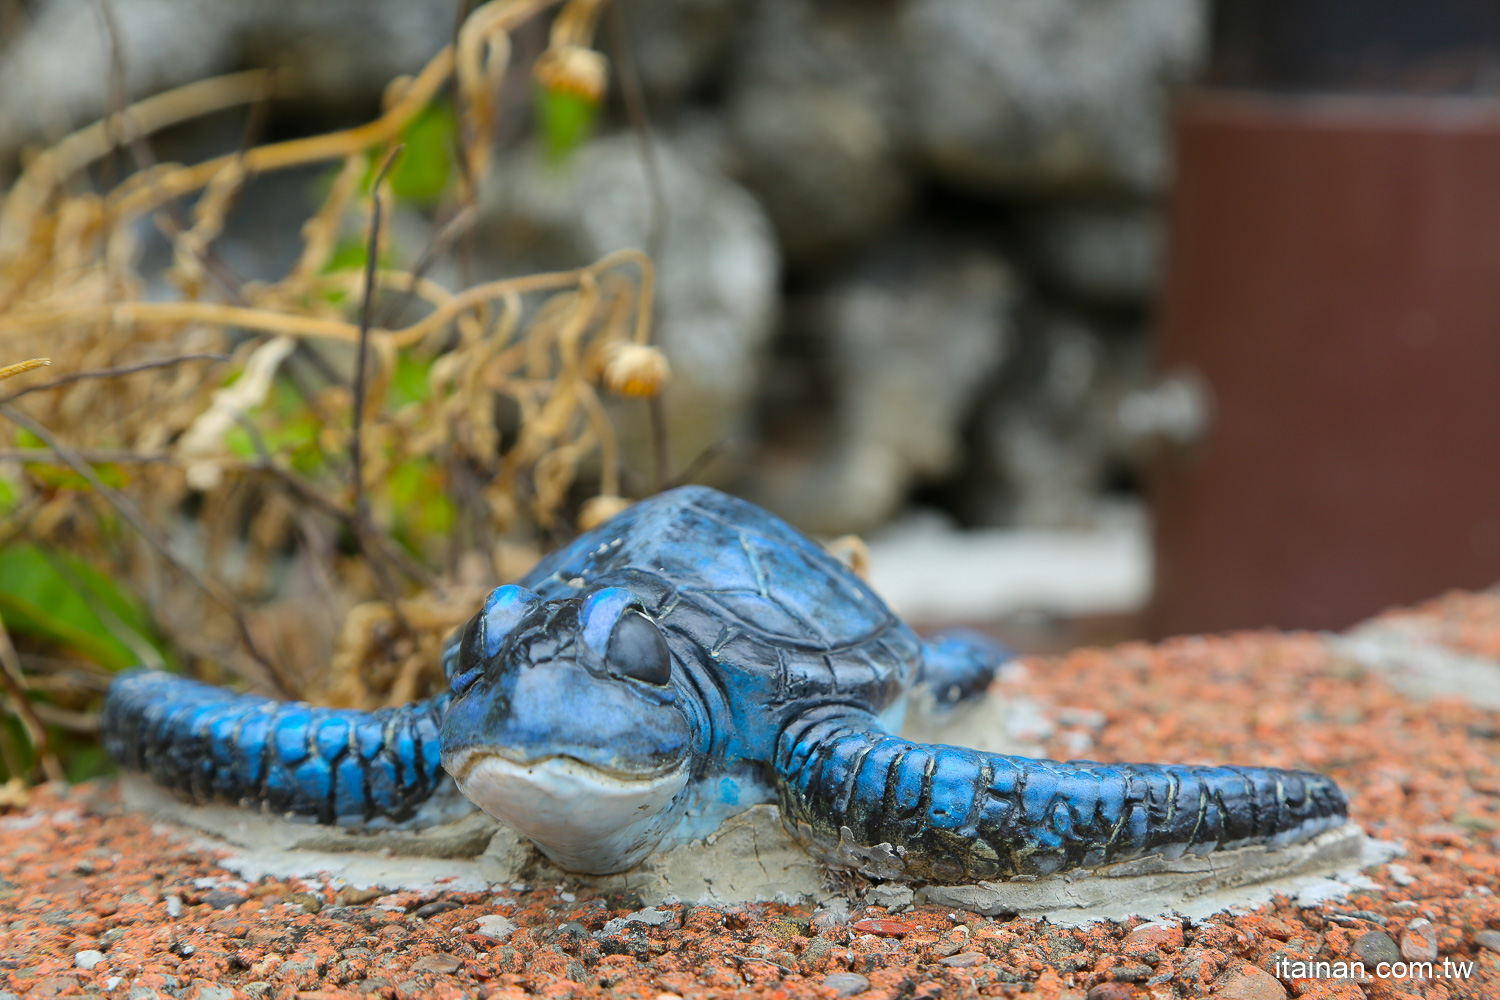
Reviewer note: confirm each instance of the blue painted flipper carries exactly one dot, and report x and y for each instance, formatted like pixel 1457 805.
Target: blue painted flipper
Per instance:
pixel 332 765
pixel 891 808
pixel 959 664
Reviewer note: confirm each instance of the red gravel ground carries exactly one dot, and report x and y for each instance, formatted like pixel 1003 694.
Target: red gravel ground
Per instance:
pixel 93 901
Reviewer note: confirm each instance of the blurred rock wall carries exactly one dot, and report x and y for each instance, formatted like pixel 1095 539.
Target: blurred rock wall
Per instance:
pixel 910 246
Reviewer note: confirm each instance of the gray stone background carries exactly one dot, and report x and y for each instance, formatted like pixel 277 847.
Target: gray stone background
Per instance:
pixel 911 246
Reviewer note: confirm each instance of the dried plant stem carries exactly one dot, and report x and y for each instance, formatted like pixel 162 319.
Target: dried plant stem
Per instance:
pixel 295 325
pixel 361 362
pixel 640 124
pixel 310 494
pixel 463 220
pixel 21 367
pixel 635 108
pixel 363 527
pixel 135 199
pixel 15 686
pixel 94 456
pixel 128 510
pixel 75 722
pixel 660 445
pixel 111 373
pixel 488 24
pixel 51 168
pixel 127 313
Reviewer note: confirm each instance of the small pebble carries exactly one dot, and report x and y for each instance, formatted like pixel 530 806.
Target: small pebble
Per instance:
pixel 496 928
pixel 1155 935
pixel 954 943
pixel 1374 947
pixel 846 984
pixel 440 963
pixel 112 982
pixel 1488 939
pixel 1112 991
pixel 1131 972
pixel 310 902
pixel 826 919
pixel 1091 718
pixel 174 906
pixel 88 959
pixel 1249 982
pixel 1419 943
pixel 651 916
pixel 222 899
pixel 892 897
pixel 1399 874
pixel 962 960
pixel 435 907
pixel 349 896
pixel 882 928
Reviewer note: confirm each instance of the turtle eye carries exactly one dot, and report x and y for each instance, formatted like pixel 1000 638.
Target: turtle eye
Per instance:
pixel 482 638
pixel 462 661
pixel 638 651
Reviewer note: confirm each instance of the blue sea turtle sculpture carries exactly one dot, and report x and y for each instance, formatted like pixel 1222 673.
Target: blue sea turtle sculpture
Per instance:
pixel 694 656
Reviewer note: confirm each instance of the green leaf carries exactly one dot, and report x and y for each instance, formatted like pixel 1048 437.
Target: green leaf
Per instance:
pixel 237 440
pixel 409 382
pixel 63 478
pixel 39 596
pixel 422 173
pixel 566 120
pixel 83 761
pixel 349 254
pixel 423 509
pixel 288 427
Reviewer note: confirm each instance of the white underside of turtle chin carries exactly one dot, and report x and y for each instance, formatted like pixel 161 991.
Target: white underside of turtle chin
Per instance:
pixel 582 818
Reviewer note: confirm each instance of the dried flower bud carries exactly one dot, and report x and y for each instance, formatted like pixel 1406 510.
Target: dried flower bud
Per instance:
pixel 636 369
pixel 598 510
pixel 573 69
pixel 852 551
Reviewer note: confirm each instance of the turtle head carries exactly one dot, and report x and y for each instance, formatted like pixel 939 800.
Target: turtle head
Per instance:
pixel 565 724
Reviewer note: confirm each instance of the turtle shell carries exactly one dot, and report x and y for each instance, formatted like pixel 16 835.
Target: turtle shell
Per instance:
pixel 777 620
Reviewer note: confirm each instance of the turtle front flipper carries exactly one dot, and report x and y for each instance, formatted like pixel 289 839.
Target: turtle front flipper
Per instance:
pixel 889 808
pixel 959 664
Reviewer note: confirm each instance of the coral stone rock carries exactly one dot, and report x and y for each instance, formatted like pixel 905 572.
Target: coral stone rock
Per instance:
pixel 846 984
pixel 1248 982
pixel 1374 947
pixel 1419 943
pixel 1154 936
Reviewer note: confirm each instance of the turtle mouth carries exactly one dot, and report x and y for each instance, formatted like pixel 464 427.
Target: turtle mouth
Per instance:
pixel 584 817
pixel 464 761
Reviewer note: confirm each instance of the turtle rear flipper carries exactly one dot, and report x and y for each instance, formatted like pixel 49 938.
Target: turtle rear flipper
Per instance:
pixel 959 664
pixel 894 809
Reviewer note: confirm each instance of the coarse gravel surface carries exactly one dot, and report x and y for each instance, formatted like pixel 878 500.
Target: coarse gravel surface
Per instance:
pixel 98 901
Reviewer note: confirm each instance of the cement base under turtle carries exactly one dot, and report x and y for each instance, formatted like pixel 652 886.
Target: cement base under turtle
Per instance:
pixel 750 858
